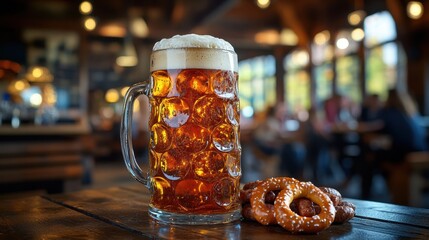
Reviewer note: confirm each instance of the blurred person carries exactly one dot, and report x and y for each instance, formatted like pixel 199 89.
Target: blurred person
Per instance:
pixel 317 139
pixel 370 109
pixel 271 139
pixel 332 107
pixel 398 120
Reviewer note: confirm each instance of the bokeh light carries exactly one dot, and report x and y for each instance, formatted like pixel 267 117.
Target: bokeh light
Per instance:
pixel 90 24
pixel 36 99
pixel 322 37
pixel 342 43
pixel 414 9
pixel 263 3
pixel 112 95
pixel 358 34
pixel 85 7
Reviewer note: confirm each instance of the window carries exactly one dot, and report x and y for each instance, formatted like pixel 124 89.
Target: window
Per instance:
pixel 257 83
pixel 297 81
pixel 348 78
pixel 381 54
pixel 323 76
pixel 381 66
pixel 379 28
pixel 384 60
pixel 322 55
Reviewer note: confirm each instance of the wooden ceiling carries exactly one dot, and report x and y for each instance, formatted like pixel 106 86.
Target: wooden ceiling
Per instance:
pixel 235 20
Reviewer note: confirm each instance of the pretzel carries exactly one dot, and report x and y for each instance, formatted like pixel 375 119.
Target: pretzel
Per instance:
pixel 248 213
pixel 344 212
pixel 252 185
pixel 295 223
pixel 262 213
pixel 245 196
pixel 333 194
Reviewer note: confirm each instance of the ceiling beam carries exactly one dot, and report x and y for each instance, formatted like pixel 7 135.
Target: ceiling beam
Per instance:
pixel 397 10
pixel 290 19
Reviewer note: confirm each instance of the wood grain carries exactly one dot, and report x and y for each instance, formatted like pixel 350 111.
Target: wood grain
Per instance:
pixel 38 218
pixel 126 207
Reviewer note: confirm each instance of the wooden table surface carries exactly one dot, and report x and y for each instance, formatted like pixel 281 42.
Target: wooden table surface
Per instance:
pixel 121 213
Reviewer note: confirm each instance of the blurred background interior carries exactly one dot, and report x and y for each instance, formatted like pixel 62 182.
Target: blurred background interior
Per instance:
pixel 334 91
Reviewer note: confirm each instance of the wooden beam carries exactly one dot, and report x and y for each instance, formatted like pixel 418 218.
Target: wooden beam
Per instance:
pixel 290 19
pixel 397 10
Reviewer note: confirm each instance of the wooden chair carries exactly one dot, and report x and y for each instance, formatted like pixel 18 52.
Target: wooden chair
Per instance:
pixel 406 181
pixel 269 163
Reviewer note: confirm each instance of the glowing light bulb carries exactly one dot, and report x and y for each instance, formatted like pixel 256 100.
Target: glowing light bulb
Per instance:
pixel 322 37
pixel 356 17
pixel 85 7
pixel 90 24
pixel 414 9
pixel 37 72
pixel 358 34
pixel 263 3
pixel 124 91
pixel 342 43
pixel 112 96
pixel 36 99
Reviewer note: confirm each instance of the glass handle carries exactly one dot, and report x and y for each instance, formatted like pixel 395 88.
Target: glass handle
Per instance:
pixel 126 134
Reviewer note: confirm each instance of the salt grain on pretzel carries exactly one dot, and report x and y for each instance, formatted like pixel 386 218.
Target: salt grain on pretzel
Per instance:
pixel 296 223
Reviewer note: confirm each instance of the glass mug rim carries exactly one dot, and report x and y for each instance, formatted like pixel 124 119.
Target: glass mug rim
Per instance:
pixel 193 48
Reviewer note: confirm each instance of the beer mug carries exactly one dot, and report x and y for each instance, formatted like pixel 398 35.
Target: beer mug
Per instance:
pixel 194 151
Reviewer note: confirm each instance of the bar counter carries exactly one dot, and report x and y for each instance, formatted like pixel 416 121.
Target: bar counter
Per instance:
pixel 121 213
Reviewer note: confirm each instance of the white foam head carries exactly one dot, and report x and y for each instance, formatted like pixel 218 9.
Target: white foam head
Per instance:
pixel 193 41
pixel 193 51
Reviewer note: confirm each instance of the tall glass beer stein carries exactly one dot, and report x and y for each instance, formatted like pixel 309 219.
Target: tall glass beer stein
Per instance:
pixel 194 151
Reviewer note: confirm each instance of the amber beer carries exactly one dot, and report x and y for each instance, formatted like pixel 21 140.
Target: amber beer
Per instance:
pixel 194 146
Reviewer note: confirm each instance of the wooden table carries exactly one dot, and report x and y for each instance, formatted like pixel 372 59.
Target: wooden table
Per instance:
pixel 121 213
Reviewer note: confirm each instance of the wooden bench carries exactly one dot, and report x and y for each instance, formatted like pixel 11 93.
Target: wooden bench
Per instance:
pixel 406 181
pixel 43 158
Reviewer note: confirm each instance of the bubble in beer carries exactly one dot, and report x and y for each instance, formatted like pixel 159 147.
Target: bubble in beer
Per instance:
pixel 233 164
pixel 160 138
pixel 162 191
pixel 161 83
pixel 233 112
pixel 192 83
pixel 174 164
pixel 153 162
pixel 208 165
pixel 154 109
pixel 209 111
pixel 224 192
pixel 224 137
pixel 174 112
pixel 192 138
pixel 192 194
pixel 224 84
